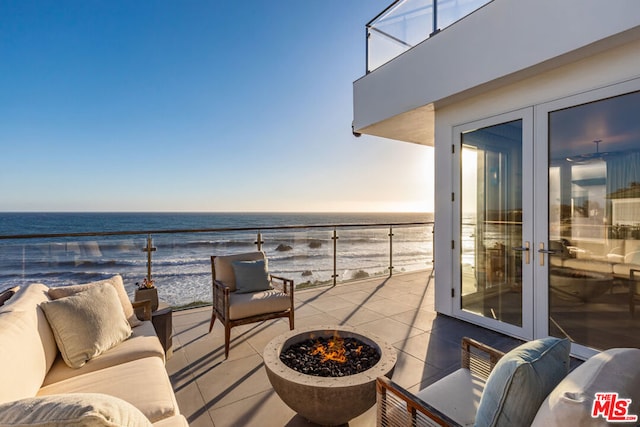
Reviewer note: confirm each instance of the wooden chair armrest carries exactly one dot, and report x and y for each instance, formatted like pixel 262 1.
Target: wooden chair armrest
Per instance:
pixel 221 286
pixel 479 358
pixel 398 407
pixel 145 305
pixel 8 293
pixel 287 283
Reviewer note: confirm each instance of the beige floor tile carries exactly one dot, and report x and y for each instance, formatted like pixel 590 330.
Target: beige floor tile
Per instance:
pixel 421 319
pixel 319 319
pixel 360 297
pixel 261 410
pixel 388 307
pixel 331 303
pixel 233 380
pixel 355 316
pixel 411 371
pixel 261 337
pixel 192 405
pixel 390 330
pixel 303 309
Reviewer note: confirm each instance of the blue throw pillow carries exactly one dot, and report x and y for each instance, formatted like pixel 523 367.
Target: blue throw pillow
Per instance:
pixel 251 276
pixel 520 382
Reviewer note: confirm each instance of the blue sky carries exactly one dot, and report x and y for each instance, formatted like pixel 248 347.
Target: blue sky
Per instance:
pixel 194 106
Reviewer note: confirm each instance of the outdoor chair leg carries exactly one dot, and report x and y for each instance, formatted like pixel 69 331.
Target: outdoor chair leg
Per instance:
pixel 213 319
pixel 227 338
pixel 291 320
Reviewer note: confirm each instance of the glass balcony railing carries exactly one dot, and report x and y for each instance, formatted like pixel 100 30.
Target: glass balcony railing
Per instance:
pixel 405 23
pixel 179 260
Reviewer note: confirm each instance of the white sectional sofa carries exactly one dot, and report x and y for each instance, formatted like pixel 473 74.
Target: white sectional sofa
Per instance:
pixel 58 369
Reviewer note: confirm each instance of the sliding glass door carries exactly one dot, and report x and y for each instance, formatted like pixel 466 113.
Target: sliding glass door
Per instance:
pixel 589 253
pixel 495 226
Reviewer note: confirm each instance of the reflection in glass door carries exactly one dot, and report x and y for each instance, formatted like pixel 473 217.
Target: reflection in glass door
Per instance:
pixel 492 248
pixel 593 246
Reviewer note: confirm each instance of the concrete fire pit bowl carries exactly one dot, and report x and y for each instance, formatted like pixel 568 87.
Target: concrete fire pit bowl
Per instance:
pixel 329 401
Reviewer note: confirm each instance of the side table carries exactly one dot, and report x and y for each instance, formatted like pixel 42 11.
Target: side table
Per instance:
pixel 162 323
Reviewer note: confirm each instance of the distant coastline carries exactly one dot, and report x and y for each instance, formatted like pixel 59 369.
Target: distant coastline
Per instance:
pixel 12 223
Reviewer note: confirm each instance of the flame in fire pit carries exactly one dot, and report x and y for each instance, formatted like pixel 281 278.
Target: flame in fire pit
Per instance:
pixel 333 350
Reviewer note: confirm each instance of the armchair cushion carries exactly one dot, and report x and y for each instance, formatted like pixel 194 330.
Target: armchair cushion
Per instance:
pixel 457 395
pixel 87 324
pixel 253 304
pixel 571 402
pixel 520 382
pixel 72 409
pixel 251 276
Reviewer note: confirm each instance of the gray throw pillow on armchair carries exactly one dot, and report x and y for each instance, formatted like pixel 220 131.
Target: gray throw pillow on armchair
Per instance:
pixel 251 276
pixel 521 381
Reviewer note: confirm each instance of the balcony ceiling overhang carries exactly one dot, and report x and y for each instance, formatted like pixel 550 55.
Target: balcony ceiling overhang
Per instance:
pixel 499 44
pixel 415 125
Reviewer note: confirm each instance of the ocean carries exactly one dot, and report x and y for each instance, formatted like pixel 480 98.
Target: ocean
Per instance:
pixel 181 264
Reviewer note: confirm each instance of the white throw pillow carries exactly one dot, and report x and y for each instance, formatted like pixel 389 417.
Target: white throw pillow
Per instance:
pixel 72 410
pixel 571 402
pixel 115 281
pixel 87 323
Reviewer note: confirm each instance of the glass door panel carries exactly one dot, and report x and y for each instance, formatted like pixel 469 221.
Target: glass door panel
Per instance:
pixel 593 246
pixel 492 246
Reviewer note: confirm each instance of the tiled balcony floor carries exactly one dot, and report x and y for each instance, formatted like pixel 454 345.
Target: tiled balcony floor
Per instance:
pixel 212 391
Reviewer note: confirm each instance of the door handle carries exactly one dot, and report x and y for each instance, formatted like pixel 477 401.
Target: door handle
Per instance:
pixel 542 251
pixel 524 249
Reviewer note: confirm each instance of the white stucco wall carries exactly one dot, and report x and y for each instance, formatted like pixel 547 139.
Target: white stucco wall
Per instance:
pixel 610 67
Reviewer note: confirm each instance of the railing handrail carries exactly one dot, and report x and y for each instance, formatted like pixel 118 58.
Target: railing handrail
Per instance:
pixel 389 12
pixel 211 230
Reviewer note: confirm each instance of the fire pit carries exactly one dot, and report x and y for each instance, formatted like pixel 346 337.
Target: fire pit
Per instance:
pixel 339 382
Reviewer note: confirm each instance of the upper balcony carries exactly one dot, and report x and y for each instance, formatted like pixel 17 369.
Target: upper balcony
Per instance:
pixel 406 23
pixel 425 54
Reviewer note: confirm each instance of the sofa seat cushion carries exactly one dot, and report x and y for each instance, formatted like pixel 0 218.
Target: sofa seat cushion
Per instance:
pixel 118 285
pixel 571 402
pixel 72 409
pixel 142 343
pixel 253 304
pixel 28 347
pixel 520 382
pixel 457 395
pixel 87 323
pixel 175 421
pixel 144 383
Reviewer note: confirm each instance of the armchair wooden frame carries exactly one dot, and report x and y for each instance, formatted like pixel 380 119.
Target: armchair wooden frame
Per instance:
pixel 221 293
pixel 398 407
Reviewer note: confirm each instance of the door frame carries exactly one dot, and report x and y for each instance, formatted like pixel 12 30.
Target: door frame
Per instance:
pixel 526 331
pixel 541 214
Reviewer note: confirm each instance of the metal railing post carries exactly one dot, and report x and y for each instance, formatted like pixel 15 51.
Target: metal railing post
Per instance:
pixel 335 244
pixel 390 251
pixel 435 18
pixel 259 241
pixel 148 249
